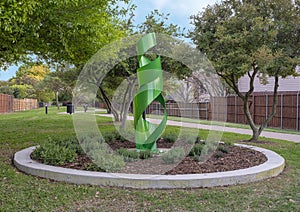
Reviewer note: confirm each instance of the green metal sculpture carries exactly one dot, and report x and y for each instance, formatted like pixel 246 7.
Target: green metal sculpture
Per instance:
pixel 150 89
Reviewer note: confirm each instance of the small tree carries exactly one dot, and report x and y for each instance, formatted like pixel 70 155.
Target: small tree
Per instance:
pixel 54 84
pixel 253 38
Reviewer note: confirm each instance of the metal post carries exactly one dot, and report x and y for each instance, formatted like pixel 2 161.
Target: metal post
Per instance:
pixel 281 112
pixel 46 109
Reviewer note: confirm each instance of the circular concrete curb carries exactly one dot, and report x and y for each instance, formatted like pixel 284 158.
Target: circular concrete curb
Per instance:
pixel 271 168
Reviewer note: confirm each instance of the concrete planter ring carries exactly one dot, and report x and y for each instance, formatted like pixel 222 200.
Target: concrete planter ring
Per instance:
pixel 271 168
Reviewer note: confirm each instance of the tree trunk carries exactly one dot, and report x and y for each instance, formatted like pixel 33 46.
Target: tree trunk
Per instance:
pixel 127 103
pixel 257 133
pixel 56 97
pixel 109 105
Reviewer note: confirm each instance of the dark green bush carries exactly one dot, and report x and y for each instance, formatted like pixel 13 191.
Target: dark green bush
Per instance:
pixel 223 149
pixel 196 150
pixel 70 143
pixel 219 154
pixel 54 154
pixel 109 137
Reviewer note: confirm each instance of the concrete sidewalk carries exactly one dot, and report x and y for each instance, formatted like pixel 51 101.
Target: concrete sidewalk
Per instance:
pixel 288 137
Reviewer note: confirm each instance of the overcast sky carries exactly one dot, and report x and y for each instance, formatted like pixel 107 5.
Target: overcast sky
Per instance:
pixel 180 11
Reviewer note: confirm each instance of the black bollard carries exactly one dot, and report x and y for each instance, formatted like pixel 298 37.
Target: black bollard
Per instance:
pixel 46 109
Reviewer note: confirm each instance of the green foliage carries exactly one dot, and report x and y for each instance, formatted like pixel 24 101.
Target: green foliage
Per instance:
pixel 132 155
pixel 145 154
pixel 108 162
pixel 54 154
pixel 174 155
pixel 56 30
pixel 6 90
pixel 223 149
pixel 69 143
pixel 196 150
pixel 89 143
pixel 170 137
pixel 228 143
pixel 129 155
pixel 254 39
pixel 23 91
pixel 110 136
pixel 100 154
pixel 239 36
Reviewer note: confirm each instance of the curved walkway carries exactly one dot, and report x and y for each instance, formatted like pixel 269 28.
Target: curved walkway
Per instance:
pixel 288 137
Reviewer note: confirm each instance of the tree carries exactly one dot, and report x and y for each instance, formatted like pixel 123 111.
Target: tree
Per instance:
pixel 57 31
pixel 54 84
pixel 30 74
pixel 155 22
pixel 253 38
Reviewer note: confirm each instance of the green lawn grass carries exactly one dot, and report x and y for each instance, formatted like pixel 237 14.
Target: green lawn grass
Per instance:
pixel 21 192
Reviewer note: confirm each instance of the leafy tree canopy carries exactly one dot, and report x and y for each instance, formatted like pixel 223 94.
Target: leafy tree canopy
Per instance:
pixel 250 37
pixel 30 74
pixel 57 31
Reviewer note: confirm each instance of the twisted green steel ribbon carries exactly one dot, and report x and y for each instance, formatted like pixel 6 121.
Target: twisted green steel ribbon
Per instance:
pixel 150 89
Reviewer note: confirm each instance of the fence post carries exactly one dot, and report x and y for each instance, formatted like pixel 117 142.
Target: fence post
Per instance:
pixel 226 108
pixel 235 102
pixel 297 115
pixel 267 105
pixel 281 111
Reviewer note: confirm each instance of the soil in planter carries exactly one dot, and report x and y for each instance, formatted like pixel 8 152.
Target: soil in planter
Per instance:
pixel 236 158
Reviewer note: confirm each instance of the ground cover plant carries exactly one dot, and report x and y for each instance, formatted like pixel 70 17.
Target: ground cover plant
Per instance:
pixel 21 192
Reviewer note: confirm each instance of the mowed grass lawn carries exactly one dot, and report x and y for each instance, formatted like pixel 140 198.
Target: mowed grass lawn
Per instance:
pixel 21 192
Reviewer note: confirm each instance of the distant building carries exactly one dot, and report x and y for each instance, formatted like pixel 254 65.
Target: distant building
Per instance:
pixel 288 84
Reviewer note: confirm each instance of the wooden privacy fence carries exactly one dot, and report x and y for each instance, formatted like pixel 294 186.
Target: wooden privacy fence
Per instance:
pixel 230 109
pixel 9 104
pixel 287 110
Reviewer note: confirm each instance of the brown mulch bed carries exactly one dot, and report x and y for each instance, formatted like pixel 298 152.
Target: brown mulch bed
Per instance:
pixel 237 158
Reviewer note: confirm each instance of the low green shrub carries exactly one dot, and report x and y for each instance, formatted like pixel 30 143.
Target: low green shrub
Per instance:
pixel 145 154
pixel 228 143
pixel 54 154
pixel 196 150
pixel 109 136
pixel 70 143
pixel 90 144
pixel 174 155
pixel 219 154
pixel 132 155
pixel 129 155
pixel 107 161
pixel 190 139
pixel 223 149
pixel 169 137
